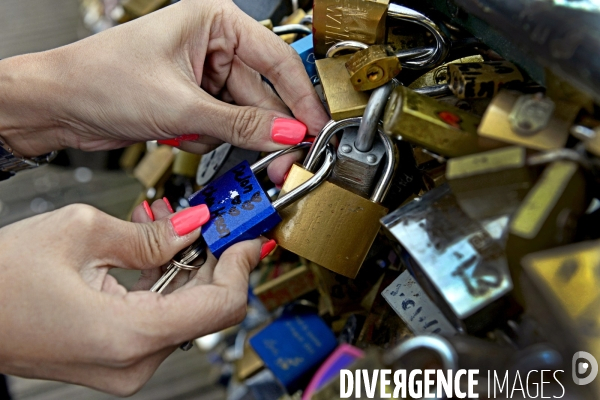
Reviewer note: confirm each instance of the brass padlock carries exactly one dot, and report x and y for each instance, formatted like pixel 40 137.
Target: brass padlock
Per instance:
pixel 561 292
pixel 491 183
pixel 480 80
pixel 331 226
pixel 440 128
pixel 372 67
pixel 533 121
pixel 154 169
pixel 439 75
pixel 286 288
pixel 339 20
pixel 548 215
pixel 342 100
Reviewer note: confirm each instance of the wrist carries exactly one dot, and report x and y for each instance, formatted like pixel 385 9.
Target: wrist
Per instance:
pixel 30 101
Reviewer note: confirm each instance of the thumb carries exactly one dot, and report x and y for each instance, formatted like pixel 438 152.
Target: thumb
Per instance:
pixel 252 128
pixel 149 245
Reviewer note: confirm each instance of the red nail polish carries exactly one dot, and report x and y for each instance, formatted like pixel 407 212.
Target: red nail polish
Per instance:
pixel 168 203
pixel 148 209
pixel 187 138
pixel 190 219
pixel 287 131
pixel 267 248
pixel 170 142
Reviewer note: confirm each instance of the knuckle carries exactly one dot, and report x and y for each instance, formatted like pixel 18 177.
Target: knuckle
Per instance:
pixel 80 216
pixel 245 122
pixel 150 247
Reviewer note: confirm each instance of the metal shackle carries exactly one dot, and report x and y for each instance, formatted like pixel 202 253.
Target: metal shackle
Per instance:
pixel 442 47
pixel 434 343
pixel 333 127
pixel 370 119
pixel 311 184
pixel 403 55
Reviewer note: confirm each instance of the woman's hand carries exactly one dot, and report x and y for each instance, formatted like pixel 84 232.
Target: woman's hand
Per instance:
pixel 64 318
pixel 174 74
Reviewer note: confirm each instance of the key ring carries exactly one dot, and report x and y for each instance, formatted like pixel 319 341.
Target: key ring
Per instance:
pixel 184 267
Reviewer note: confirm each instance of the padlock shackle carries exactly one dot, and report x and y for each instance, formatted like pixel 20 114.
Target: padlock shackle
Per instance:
pixel 345 45
pixel 311 184
pixel 263 163
pixel 371 117
pixel 325 136
pixel 292 29
pixel 435 343
pixel 442 47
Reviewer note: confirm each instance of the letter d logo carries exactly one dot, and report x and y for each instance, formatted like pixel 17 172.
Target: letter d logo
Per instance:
pixel 582 367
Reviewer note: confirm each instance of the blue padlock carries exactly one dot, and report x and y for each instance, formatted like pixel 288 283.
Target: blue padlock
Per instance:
pixel 239 207
pixel 305 49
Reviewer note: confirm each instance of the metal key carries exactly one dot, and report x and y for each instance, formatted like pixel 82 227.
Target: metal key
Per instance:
pixel 186 257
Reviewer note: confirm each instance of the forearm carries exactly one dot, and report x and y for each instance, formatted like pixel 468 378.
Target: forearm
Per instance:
pixel 31 97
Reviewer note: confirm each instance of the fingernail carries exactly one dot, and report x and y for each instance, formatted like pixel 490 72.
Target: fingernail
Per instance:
pixel 168 203
pixel 287 131
pixel 190 219
pixel 267 248
pixel 148 209
pixel 187 138
pixel 170 142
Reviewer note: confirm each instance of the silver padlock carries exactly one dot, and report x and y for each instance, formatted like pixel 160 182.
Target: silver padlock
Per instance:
pixel 459 262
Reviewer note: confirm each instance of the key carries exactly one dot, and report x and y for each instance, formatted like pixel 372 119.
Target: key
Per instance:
pixel 186 257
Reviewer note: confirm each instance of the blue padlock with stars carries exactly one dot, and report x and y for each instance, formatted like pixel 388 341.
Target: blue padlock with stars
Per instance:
pixel 239 207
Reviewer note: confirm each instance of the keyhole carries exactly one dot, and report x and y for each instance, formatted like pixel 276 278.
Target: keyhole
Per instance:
pixel 374 74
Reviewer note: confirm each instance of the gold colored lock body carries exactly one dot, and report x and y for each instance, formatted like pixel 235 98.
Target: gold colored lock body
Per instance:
pixel 286 288
pixel 342 100
pixel 139 8
pixel 316 226
pixel 497 125
pixel 492 183
pixel 562 294
pixel 440 128
pixel 372 67
pixel 155 167
pixel 439 75
pixel 480 80
pixel 338 20
pixel 548 215
pixel 186 164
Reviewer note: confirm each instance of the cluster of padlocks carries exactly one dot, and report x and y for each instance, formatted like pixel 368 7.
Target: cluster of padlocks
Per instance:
pixel 445 219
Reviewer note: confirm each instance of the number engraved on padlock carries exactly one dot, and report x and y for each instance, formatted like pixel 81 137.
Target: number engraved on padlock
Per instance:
pixel 478 80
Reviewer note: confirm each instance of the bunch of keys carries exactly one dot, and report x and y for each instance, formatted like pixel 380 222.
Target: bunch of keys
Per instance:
pixel 190 259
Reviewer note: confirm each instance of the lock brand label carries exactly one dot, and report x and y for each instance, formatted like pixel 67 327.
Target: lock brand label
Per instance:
pixel 338 20
pixel 240 210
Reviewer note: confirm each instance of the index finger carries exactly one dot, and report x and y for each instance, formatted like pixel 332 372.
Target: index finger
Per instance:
pixel 266 53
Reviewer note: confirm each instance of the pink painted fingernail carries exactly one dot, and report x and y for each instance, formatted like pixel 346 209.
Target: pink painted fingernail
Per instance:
pixel 190 219
pixel 168 203
pixel 170 142
pixel 148 209
pixel 188 138
pixel 287 131
pixel 267 248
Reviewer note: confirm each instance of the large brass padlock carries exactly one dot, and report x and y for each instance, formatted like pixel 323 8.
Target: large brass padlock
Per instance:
pixel 338 20
pixel 441 128
pixel 331 226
